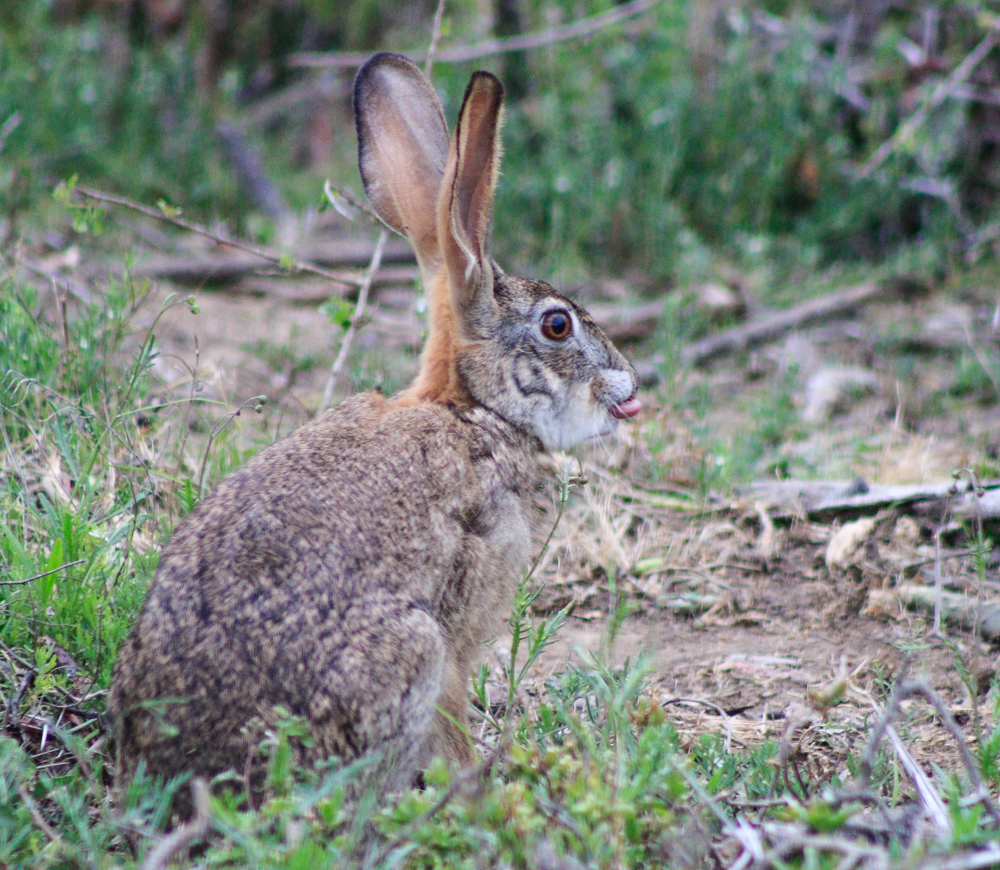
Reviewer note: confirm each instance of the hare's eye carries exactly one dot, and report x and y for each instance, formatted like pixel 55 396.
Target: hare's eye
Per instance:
pixel 557 325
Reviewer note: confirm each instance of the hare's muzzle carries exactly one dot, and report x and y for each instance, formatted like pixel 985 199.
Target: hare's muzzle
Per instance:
pixel 628 408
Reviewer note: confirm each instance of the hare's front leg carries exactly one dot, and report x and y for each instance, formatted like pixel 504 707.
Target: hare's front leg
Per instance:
pixel 380 691
pixel 451 740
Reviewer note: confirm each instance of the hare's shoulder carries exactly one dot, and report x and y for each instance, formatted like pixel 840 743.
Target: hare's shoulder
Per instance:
pixel 368 480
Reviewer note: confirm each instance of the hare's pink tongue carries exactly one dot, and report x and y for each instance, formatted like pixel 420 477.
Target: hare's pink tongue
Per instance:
pixel 626 409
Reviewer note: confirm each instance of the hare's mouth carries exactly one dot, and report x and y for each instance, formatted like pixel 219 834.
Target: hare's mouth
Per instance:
pixel 626 410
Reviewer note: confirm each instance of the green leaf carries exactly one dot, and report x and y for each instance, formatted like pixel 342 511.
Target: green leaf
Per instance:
pixel 340 312
pixel 168 210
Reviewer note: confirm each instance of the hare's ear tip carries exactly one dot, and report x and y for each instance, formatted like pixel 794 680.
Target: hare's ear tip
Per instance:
pixel 486 76
pixel 384 58
pixel 487 81
pixel 367 80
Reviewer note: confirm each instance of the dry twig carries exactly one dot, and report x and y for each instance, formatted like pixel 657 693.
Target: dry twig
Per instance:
pixel 37 816
pixel 359 311
pixel 769 327
pixel 489 47
pixel 43 574
pixel 351 280
pixel 163 852
pixel 940 94
pixel 820 499
pixel 908 689
pixel 435 38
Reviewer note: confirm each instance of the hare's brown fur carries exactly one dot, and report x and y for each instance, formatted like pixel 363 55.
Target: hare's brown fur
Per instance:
pixel 326 577
pixel 349 573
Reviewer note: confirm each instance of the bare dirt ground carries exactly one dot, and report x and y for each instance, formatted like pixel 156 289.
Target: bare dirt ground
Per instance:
pixel 733 609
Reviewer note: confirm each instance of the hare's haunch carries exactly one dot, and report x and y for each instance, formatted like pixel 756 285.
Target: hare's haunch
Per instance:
pixel 349 572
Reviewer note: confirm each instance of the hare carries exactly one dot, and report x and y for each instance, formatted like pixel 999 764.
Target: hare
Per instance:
pixel 349 573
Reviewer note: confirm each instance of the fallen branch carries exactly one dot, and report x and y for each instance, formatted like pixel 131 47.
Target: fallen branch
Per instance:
pixel 285 262
pixel 489 47
pixel 989 857
pixel 622 324
pixel 229 267
pixel 163 853
pixel 914 688
pixel 956 609
pixel 932 803
pixel 816 498
pixel 773 325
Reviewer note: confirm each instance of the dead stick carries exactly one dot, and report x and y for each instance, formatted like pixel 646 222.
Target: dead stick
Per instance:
pixel 941 92
pixel 163 853
pixel 359 311
pixel 921 687
pixel 435 38
pixel 38 817
pixel 43 574
pixel 766 328
pixel 711 706
pixel 285 262
pixel 79 290
pixel 489 47
pixel 987 858
pixel 956 609
pixel 902 690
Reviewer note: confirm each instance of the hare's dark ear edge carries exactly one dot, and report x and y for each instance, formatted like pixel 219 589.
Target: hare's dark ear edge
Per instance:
pixel 402 146
pixel 471 179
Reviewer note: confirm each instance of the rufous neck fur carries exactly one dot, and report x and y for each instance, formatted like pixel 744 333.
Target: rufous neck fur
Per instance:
pixel 438 379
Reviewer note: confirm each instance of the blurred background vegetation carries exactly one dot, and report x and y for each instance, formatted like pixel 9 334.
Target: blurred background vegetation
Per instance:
pixel 742 128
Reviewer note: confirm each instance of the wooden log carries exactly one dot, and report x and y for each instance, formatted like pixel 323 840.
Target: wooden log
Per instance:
pixel 956 609
pixel 819 499
pixel 65 282
pixel 773 325
pixel 226 267
pixel 623 323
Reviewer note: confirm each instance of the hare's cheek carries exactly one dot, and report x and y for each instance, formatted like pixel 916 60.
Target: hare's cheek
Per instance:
pixel 533 381
pixel 578 418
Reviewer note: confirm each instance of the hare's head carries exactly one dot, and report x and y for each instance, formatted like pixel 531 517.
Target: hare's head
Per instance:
pixel 512 345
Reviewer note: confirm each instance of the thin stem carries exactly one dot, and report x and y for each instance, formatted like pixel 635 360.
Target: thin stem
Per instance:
pixel 351 280
pixel 435 36
pixel 225 421
pixel 43 574
pixel 359 311
pixel 490 47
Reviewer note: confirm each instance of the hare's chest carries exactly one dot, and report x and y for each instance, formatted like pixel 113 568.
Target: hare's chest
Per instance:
pixel 492 551
pixel 507 541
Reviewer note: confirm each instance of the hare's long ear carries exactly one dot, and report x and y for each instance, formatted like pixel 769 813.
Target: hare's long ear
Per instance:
pixel 402 150
pixel 465 209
